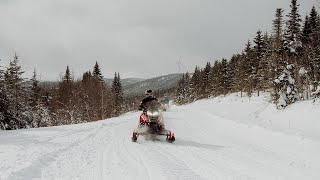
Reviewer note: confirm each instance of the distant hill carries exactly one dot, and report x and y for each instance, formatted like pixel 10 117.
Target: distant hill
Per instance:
pixel 124 82
pixel 108 81
pixel 137 86
pixel 157 83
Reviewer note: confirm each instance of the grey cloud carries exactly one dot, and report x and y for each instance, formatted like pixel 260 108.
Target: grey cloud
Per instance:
pixel 138 38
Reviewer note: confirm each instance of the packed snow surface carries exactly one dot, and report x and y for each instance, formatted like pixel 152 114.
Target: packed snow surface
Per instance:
pixel 220 138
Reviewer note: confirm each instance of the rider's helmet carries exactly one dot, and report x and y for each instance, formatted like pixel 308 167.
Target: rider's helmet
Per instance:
pixel 148 93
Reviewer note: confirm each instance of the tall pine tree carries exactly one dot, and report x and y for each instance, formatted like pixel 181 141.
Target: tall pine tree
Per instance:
pixel 117 94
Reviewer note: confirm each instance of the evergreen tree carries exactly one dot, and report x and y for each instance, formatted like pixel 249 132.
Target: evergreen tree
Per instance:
pixel 233 71
pixel 35 90
pixel 293 32
pixel 38 112
pixel 195 83
pixel 242 76
pixel 117 93
pixel 17 95
pixel 6 116
pixel 205 81
pixel 277 28
pixel 65 88
pixel 187 90
pixel 183 93
pixel 66 99
pixel 278 41
pixel 101 101
pixel 250 71
pixel 306 31
pixel 313 21
pixel 314 55
pixel 225 80
pixel 179 93
pixel 265 70
pixel 87 88
pixel 97 72
pixel 214 80
pixel 257 62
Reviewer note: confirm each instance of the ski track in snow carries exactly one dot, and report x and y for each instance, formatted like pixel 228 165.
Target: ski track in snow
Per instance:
pixel 207 146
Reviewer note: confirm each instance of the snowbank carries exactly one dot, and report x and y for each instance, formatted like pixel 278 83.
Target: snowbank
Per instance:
pixel 301 118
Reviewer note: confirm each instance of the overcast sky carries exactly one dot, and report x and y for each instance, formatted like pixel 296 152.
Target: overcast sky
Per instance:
pixel 138 38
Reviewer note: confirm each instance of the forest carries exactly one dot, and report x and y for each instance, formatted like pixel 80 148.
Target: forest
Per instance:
pixel 285 62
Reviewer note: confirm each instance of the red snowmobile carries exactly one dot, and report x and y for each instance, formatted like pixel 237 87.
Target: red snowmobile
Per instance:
pixel 151 123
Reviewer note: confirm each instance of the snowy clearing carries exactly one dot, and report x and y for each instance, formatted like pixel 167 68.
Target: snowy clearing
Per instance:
pixel 221 138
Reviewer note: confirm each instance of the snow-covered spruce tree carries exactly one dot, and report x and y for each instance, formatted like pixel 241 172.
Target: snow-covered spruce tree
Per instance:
pixel 205 81
pixel 97 72
pixel 241 76
pixel 313 20
pixel 214 80
pixel 218 79
pixel 187 91
pixel 178 97
pixel 248 58
pixel 310 59
pixel 286 87
pixel 34 90
pixel 38 113
pixel 195 83
pixel 278 63
pixel 183 91
pixel 6 116
pixel 225 80
pixel 314 54
pixel 16 94
pixel 293 43
pixel 99 93
pixel 117 94
pixel 306 31
pixel 233 70
pixel 277 27
pixel 257 61
pixel 266 64
pixel 293 34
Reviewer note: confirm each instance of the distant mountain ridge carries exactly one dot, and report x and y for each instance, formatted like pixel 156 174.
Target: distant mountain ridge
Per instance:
pixel 124 82
pixel 157 83
pixel 137 86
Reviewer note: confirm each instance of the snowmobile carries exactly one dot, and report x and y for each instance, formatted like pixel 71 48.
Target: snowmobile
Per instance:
pixel 151 123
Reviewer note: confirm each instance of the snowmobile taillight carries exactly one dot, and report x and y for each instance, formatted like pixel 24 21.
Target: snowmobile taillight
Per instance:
pixel 171 135
pixel 134 134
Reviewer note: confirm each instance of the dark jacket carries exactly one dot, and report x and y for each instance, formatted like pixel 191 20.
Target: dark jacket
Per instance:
pixel 145 101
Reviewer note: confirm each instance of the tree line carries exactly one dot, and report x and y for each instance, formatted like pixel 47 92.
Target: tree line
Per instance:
pixel 26 103
pixel 285 62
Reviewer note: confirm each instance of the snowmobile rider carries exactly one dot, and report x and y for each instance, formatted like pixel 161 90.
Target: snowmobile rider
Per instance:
pixel 149 97
pixel 166 100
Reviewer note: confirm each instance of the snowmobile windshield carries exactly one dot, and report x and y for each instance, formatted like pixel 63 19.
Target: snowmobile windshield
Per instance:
pixel 153 105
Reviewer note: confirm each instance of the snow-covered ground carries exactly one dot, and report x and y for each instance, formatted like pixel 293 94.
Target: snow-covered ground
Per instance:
pixel 221 138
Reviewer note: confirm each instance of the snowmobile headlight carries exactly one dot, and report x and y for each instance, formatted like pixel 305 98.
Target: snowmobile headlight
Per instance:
pixel 153 114
pixel 156 113
pixel 149 113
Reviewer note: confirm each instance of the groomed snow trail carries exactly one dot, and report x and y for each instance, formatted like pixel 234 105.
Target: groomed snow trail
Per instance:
pixel 207 146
